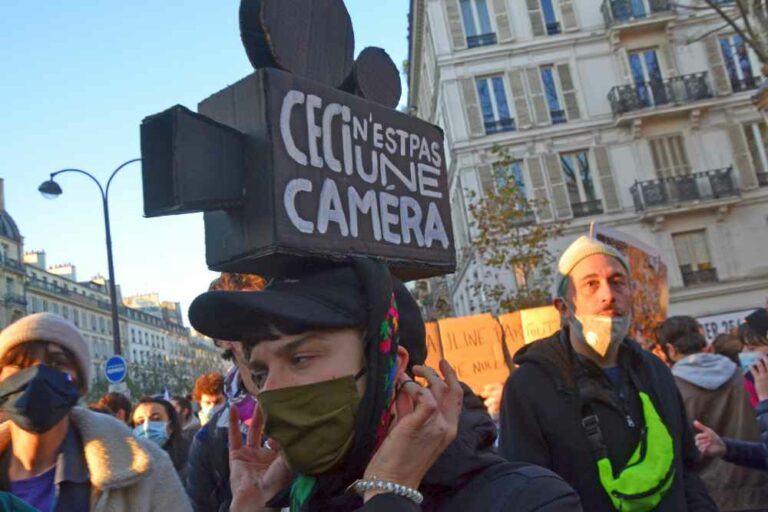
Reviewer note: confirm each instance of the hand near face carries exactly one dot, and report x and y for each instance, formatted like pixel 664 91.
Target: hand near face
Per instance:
pixel 710 444
pixel 256 474
pixel 492 398
pixel 426 423
pixel 760 373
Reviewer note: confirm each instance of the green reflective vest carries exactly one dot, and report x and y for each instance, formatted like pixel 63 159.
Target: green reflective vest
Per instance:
pixel 649 474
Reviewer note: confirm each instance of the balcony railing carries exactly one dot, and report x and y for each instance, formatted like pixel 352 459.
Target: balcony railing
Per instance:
pixel 625 11
pixel 587 208
pixel 558 116
pixel 481 40
pixel 672 91
pixel 762 179
pixel 701 186
pixel 694 277
pixel 745 84
pixel 499 125
pixel 13 298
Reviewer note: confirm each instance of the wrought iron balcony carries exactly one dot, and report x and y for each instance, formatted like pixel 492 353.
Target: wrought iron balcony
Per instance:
pixel 558 116
pixel 500 125
pixel 678 90
pixel 762 179
pixel 13 298
pixel 694 277
pixel 587 208
pixel 481 40
pixel 553 28
pixel 625 11
pixel 745 84
pixel 669 192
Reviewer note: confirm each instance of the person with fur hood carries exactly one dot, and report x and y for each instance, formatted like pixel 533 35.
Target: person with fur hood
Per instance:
pixel 56 456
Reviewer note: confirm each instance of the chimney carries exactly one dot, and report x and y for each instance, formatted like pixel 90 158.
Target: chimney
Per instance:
pixel 2 194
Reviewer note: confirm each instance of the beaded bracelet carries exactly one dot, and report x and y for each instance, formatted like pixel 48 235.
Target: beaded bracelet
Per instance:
pixel 374 484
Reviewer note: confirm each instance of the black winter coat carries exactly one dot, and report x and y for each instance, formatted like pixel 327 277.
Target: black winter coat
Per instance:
pixel 471 477
pixel 541 420
pixel 207 473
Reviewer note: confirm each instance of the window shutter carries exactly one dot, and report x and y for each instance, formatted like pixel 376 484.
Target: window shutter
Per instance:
pixel 503 25
pixel 569 92
pixel 523 111
pixel 543 205
pixel 717 65
pixel 607 182
pixel 540 109
pixel 472 107
pixel 455 27
pixel 486 178
pixel 742 158
pixel 569 16
pixel 668 58
pixel 626 73
pixel 557 184
pixel 537 22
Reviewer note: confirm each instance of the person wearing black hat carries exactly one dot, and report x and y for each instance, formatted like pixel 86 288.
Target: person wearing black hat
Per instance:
pixel 346 426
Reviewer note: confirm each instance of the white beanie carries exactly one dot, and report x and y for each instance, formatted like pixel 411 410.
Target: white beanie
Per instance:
pixel 53 329
pixel 582 248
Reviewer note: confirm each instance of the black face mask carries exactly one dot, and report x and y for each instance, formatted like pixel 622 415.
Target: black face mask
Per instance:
pixel 37 398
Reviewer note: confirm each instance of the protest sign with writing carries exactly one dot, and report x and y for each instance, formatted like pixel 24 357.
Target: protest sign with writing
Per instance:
pixel 528 325
pixel 473 347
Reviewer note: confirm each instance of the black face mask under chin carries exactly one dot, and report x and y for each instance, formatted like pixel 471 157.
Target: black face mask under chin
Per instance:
pixel 37 398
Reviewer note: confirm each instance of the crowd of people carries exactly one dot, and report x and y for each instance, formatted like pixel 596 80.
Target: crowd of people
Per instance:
pixel 328 407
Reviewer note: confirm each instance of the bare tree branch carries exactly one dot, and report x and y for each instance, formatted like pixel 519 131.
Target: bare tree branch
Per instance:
pixel 706 34
pixel 746 36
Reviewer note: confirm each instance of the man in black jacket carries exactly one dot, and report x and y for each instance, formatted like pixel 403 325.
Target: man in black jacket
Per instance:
pixel 328 342
pixel 591 405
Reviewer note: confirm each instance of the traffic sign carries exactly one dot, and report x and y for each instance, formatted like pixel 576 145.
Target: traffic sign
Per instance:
pixel 116 369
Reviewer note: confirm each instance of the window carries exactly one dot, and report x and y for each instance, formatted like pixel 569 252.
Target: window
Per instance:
pixel 505 174
pixel 45 305
pixel 76 316
pixel 477 23
pixel 580 184
pixel 693 258
pixel 552 94
pixel 102 326
pixel 740 63
pixel 551 21
pixel 35 304
pixel 646 75
pixel 493 102
pixel 757 142
pixel 669 156
pixel 65 312
pixel 56 308
pixel 93 322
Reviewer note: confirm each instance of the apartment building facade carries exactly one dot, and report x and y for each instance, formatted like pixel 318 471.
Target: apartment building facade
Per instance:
pixel 635 114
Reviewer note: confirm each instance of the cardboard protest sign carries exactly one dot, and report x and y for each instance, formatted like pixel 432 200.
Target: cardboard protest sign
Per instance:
pixel 434 347
pixel 294 166
pixel 473 347
pixel 650 294
pixel 528 325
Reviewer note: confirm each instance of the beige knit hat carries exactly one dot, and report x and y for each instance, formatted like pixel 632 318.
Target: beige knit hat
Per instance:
pixel 51 328
pixel 582 248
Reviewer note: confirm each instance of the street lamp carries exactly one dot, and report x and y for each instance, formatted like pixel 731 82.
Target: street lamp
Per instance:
pixel 51 190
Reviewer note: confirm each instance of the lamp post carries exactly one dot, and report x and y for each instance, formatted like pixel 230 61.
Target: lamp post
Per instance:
pixel 51 190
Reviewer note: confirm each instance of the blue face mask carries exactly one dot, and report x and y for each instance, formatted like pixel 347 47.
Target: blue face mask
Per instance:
pixel 749 359
pixel 154 431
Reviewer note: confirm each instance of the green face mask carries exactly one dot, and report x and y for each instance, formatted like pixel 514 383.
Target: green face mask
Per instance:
pixel 314 424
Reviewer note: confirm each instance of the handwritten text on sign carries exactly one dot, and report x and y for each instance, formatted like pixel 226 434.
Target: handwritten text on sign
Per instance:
pixel 473 347
pixel 369 150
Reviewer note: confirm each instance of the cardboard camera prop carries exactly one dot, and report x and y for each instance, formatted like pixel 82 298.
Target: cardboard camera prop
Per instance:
pixel 305 161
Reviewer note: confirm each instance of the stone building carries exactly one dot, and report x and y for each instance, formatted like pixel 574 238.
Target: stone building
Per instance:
pixel 636 114
pixel 154 340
